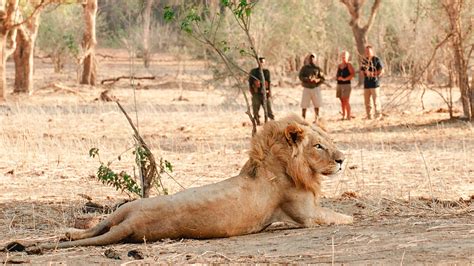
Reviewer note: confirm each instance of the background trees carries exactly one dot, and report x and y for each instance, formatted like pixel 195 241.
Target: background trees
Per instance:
pixel 408 35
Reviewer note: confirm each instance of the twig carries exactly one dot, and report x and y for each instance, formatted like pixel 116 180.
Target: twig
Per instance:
pixel 423 158
pixel 448 226
pixel 151 170
pixel 206 252
pixel 407 205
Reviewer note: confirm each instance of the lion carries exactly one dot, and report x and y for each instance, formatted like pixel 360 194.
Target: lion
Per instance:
pixel 280 182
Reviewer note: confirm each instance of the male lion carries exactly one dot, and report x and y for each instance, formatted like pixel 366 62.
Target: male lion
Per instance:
pixel 279 183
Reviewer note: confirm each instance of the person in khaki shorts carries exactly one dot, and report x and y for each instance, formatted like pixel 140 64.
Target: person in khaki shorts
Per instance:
pixel 344 75
pixel 372 69
pixel 311 78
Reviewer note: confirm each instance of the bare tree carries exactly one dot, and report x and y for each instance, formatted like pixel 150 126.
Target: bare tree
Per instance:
pixel 146 33
pixel 89 42
pixel 360 31
pixel 453 9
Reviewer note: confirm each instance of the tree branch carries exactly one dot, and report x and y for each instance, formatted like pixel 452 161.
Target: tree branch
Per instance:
pixel 373 13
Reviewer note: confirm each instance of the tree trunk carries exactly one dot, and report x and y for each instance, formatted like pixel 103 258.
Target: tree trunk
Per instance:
pixel 453 9
pixel 8 9
pixel 146 33
pixel 471 97
pixel 3 62
pixel 360 31
pixel 23 55
pixel 89 42
pixel 23 58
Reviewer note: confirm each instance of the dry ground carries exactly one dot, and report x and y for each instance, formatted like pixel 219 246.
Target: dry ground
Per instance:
pixel 408 178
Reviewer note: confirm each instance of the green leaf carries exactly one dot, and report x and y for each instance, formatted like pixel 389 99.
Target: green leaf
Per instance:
pixel 93 152
pixel 168 166
pixel 248 11
pixel 168 14
pixel 225 3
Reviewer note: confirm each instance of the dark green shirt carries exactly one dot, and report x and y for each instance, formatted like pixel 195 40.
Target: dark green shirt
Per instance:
pixel 255 75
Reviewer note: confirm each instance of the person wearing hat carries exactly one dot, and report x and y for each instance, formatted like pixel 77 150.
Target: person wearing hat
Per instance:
pixel 256 90
pixel 311 77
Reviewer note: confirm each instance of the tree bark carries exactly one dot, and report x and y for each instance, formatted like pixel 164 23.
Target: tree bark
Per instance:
pixel 471 97
pixel 146 33
pixel 8 9
pixel 89 42
pixel 360 31
pixel 23 55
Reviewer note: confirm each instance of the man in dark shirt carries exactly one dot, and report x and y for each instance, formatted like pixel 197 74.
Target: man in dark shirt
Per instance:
pixel 372 69
pixel 311 77
pixel 256 90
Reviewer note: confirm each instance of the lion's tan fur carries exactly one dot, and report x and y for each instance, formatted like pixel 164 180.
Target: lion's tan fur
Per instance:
pixel 280 182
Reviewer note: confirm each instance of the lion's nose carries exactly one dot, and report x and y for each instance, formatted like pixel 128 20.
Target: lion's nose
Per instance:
pixel 339 161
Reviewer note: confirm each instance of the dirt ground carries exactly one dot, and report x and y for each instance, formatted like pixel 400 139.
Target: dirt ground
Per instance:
pixel 408 179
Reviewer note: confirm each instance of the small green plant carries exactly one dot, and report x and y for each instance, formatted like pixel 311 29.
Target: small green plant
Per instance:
pixel 121 181
pixel 125 182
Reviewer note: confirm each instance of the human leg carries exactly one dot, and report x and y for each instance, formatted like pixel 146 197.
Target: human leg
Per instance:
pixel 316 100
pixel 367 93
pixel 376 102
pixel 343 109
pixel 256 102
pixel 345 96
pixel 269 109
pixel 305 101
pixel 339 95
pixel 348 109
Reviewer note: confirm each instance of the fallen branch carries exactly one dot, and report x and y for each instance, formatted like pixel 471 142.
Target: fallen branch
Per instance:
pixel 58 87
pixel 113 80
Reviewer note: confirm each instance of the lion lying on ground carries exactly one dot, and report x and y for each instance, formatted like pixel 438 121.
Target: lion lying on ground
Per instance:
pixel 279 183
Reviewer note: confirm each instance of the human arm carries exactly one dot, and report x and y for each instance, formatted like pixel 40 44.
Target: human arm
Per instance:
pixel 254 81
pixel 379 67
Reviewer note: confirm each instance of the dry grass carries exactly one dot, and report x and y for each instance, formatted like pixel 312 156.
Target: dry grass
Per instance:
pixel 391 163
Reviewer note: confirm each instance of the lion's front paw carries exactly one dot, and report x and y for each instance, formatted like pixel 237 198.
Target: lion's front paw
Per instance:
pixel 344 219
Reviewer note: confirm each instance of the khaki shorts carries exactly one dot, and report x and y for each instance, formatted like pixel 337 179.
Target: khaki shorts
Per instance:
pixel 311 95
pixel 343 91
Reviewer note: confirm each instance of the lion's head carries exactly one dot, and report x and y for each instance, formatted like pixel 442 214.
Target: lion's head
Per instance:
pixel 293 148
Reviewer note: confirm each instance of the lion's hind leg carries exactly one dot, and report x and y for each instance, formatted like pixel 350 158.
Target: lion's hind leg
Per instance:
pixel 115 235
pixel 76 234
pixel 114 219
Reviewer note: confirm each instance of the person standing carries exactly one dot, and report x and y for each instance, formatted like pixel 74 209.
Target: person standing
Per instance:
pixel 345 73
pixel 311 77
pixel 256 90
pixel 372 69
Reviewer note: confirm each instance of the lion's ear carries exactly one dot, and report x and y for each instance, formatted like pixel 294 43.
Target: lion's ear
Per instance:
pixel 294 134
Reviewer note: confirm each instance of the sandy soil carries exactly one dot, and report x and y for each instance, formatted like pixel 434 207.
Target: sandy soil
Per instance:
pixel 408 178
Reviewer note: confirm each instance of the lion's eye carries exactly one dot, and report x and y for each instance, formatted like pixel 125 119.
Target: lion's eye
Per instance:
pixel 319 146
